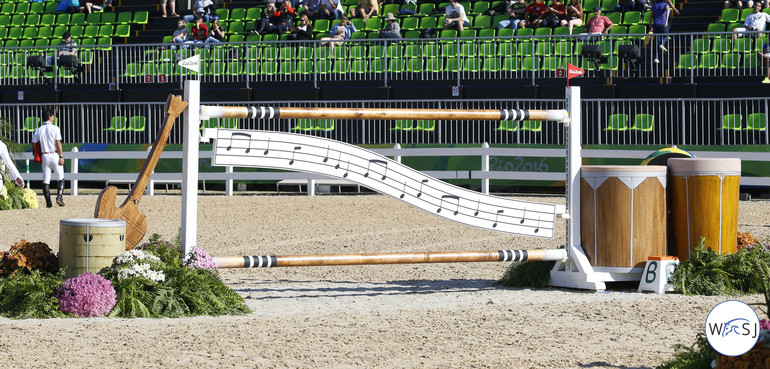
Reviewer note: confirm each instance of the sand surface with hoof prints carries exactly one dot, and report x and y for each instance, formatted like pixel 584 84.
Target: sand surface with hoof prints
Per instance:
pixel 390 316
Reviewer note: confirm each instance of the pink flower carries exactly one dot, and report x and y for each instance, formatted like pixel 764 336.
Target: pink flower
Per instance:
pixel 199 258
pixel 764 324
pixel 89 295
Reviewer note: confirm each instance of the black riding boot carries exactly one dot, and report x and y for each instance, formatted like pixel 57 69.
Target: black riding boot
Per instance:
pixel 59 193
pixel 47 195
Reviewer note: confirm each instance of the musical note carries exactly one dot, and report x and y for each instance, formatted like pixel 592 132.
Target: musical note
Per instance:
pixel 524 215
pixel 240 134
pixel 478 206
pixel 494 225
pixel 424 181
pixel 347 170
pixel 338 161
pixel 538 224
pixel 457 210
pixel 294 153
pixel 383 162
pixel 327 154
pixel 403 193
pixel 267 149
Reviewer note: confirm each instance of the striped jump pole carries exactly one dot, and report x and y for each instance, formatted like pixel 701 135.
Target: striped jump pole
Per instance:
pixel 270 261
pixel 261 112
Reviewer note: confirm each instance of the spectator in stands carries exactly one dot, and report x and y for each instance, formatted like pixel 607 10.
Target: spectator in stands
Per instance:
pixel 625 6
pixel 181 34
pixel 94 5
pixel 74 6
pixel 661 23
pixel 734 4
pixel 455 16
pixel 171 6
pixel 556 15
pixel 304 31
pixel 201 7
pixel 755 22
pixel 535 13
pixel 331 9
pixel 599 24
pixel 507 6
pixel 216 33
pixel 67 47
pixel 312 8
pixel 764 56
pixel 275 20
pixel 574 14
pixel 200 31
pixel 339 33
pixel 515 10
pixel 392 29
pixel 365 9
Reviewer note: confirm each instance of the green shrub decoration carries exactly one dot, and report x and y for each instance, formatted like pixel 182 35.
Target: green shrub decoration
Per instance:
pixel 536 274
pixel 698 356
pixel 708 273
pixel 31 295
pixel 184 291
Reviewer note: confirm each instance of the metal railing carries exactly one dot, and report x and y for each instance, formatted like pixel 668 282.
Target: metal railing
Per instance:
pixel 737 121
pixel 384 61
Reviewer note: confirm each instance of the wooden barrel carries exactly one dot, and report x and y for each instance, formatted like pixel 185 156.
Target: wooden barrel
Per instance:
pixel 704 203
pixel 622 214
pixel 90 244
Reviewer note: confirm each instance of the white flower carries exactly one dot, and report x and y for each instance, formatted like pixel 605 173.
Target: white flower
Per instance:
pixel 134 255
pixel 141 270
pixel 3 191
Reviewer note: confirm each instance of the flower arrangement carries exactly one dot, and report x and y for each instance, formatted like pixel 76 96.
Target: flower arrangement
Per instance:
pixel 30 256
pixel 13 197
pixel 138 264
pixel 199 258
pixel 88 295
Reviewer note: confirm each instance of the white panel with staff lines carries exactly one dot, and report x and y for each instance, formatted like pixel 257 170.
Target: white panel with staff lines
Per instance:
pixel 303 153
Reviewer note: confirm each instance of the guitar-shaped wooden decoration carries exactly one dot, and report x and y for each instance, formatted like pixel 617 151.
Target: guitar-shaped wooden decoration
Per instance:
pixel 136 221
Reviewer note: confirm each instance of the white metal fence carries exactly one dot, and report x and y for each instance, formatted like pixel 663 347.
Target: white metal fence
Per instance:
pixel 737 121
pixel 383 61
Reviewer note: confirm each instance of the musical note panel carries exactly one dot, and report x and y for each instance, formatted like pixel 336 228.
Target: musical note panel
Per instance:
pixel 303 153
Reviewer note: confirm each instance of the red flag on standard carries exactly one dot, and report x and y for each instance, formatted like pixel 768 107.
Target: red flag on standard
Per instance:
pixel 573 71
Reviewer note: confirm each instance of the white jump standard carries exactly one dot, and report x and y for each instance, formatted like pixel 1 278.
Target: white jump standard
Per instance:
pixel 297 152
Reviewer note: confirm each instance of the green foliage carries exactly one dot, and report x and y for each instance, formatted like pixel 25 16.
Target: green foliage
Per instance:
pixel 30 295
pixel 708 273
pixel 698 356
pixel 184 292
pixel 6 134
pixel 535 274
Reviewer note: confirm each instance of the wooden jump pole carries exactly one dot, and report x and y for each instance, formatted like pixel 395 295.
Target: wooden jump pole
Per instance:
pixel 388 114
pixel 269 261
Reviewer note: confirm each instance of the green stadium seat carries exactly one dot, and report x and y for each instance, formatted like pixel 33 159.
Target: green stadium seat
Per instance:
pixel 358 35
pixel 471 65
pixel 431 50
pixel 36 8
pixel 617 122
pixel 403 125
pixel 451 65
pixel 488 49
pixel 396 65
pixel 109 18
pixel 409 24
pixel 491 65
pixel 30 33
pixel 123 30
pixel 47 19
pixel 631 18
pixel 508 125
pixel 137 123
pixel 643 123
pixel 18 20
pixel 448 33
pixel 426 8
pixel 390 8
pixel 26 43
pixel 414 34
pixel 15 33
pixel 223 13
pixel 543 48
pixel 756 122
pixel 5 20
pixel 434 65
pixel 359 23
pixel 31 124
pixel 414 65
pixel 732 122
pixel 542 31
pixel 608 7
pixel 269 68
pixel 530 63
pixel 743 45
pixel 376 51
pixel 731 61
pixel 532 126
pixel 482 21
pixel 612 63
pixel 715 27
pixel 238 14
pixel 359 66
pixel 8 8
pixel 105 43
pixel 253 14
pixel 304 125
pixel 701 45
pixel 50 7
pixel 377 66
pixel 141 17
pixel 22 8
pixel 125 18
pixel 251 68
pixel 468 33
pixel 428 22
pixel 561 31
pixel 106 30
pixel 426 125
pixel 373 24
pixel 729 15
pixel 551 63
pixel 745 13
pixel 45 32
pixel 563 48
pixel 117 124
pixel 750 62
pixel 93 18
pixel 468 49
